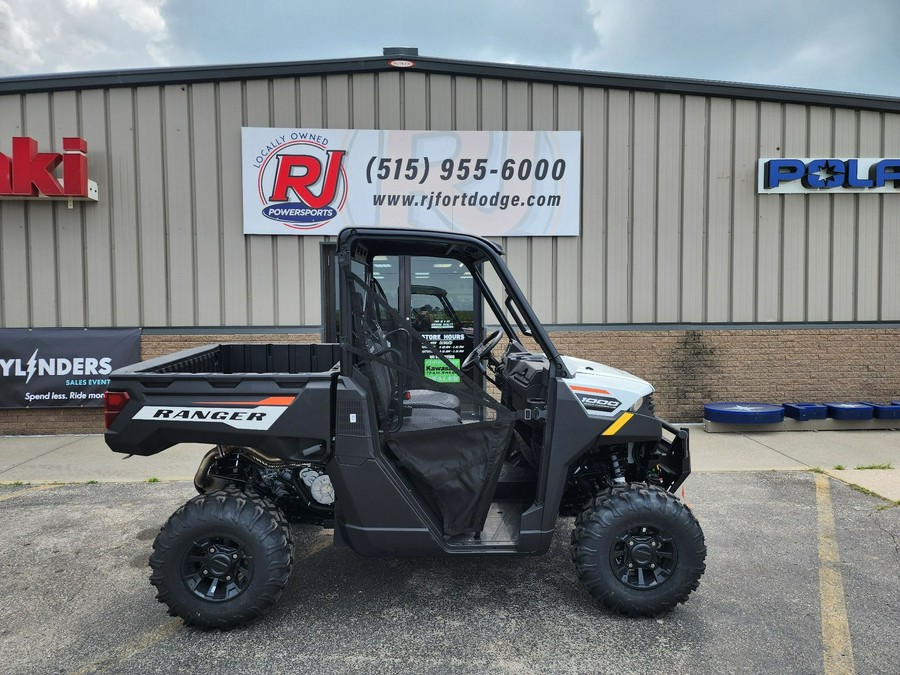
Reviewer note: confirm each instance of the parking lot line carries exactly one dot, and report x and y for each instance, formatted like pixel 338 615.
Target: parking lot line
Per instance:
pixel 13 495
pixel 114 662
pixel 837 646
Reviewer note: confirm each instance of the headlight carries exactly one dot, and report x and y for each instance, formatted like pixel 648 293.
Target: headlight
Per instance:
pixel 637 405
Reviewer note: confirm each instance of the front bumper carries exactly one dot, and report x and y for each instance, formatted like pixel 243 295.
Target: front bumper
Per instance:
pixel 676 459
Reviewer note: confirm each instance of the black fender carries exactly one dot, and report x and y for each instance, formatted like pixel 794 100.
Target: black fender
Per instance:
pixel 572 434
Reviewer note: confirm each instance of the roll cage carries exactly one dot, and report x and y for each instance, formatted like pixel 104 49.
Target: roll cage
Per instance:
pixel 361 244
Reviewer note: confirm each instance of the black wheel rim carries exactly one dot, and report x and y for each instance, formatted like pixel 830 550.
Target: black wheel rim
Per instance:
pixel 643 557
pixel 217 568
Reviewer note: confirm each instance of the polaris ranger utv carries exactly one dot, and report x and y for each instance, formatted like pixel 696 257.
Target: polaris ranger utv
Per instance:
pixel 462 456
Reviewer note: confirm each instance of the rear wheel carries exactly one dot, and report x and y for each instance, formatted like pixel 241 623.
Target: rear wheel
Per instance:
pixel 222 559
pixel 639 550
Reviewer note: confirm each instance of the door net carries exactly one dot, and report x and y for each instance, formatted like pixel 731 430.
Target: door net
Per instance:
pixel 450 436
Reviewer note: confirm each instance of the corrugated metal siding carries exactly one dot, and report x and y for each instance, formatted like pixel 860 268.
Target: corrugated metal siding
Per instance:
pixel 672 228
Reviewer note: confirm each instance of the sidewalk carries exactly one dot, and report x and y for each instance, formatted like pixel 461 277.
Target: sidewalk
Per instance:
pixel 68 459
pixel 802 450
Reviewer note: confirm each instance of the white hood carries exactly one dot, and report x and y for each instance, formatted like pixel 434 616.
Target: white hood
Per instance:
pixel 623 386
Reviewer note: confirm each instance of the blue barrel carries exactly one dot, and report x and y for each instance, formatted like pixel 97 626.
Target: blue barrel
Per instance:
pixel 743 412
pixel 849 411
pixel 806 411
pixel 886 412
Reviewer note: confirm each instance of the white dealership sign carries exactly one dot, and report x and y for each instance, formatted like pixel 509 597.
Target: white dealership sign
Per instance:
pixel 489 183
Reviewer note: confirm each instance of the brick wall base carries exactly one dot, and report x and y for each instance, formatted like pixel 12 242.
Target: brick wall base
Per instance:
pixel 694 367
pixel 688 368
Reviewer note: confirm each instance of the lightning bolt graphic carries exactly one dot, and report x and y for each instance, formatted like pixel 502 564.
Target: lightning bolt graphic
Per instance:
pixel 32 367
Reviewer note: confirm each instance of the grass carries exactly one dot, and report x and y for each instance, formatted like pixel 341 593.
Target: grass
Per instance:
pixel 865 491
pixel 153 479
pixel 889 504
pixel 867 467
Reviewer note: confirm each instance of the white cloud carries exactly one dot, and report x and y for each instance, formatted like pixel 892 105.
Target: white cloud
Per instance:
pixel 833 45
pixel 75 35
pixel 19 52
pixel 142 16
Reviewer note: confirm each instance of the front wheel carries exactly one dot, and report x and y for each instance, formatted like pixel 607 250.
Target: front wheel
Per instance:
pixel 639 551
pixel 222 559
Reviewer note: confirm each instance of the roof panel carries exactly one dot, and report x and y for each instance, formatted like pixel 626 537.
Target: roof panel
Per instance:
pixel 425 64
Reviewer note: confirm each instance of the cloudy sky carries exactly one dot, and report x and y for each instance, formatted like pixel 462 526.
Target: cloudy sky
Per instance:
pixel 828 44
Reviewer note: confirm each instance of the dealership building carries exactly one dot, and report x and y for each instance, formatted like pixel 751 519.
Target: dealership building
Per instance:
pixel 726 242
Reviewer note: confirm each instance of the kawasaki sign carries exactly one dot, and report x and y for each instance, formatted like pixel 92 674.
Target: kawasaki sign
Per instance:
pixel 26 173
pixel 828 175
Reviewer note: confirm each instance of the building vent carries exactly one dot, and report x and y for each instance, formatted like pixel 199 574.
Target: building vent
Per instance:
pixel 401 51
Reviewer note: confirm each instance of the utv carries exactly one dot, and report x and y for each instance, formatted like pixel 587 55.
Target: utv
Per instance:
pixel 407 446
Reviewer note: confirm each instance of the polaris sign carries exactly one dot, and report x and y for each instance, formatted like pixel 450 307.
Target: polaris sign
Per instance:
pixel 65 367
pixel 828 176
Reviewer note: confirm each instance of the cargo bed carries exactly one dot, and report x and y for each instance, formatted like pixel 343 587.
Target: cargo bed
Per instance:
pixel 274 397
pixel 230 358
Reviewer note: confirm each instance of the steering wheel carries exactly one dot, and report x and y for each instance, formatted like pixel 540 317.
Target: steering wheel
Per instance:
pixel 482 350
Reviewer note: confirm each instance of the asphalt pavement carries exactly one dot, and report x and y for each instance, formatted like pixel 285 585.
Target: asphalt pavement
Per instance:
pixel 801 577
pixel 73 559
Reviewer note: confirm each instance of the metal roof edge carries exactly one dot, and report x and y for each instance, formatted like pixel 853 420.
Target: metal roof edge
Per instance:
pixel 182 75
pixel 433 65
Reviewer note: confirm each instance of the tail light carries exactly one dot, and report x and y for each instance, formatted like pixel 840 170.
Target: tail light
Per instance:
pixel 114 402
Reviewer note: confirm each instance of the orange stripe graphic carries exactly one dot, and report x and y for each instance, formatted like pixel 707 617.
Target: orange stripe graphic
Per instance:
pixel 271 400
pixel 589 389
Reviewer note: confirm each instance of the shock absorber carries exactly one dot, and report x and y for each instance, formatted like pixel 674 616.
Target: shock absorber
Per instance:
pixel 618 474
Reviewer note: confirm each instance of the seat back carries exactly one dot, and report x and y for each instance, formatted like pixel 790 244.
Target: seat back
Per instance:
pixel 369 337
